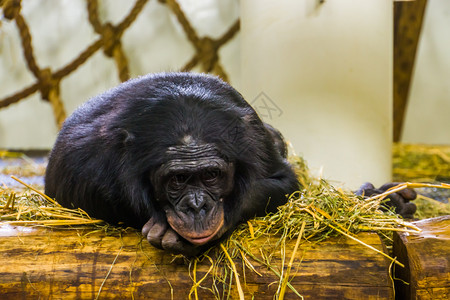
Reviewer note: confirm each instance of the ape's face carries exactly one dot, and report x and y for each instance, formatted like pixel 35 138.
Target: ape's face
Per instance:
pixel 191 188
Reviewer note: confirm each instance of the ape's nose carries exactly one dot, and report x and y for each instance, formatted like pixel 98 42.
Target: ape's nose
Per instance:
pixel 197 202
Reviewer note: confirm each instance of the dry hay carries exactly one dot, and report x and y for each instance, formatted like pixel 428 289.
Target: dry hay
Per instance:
pixel 312 214
pixel 37 209
pixel 424 163
pixel 430 208
pixel 420 163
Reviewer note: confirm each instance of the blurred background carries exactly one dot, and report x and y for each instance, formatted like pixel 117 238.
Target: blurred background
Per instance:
pixel 341 80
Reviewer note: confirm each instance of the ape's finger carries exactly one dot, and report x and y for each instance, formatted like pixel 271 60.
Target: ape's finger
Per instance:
pixel 408 210
pixel 367 189
pixel 408 194
pixel 389 185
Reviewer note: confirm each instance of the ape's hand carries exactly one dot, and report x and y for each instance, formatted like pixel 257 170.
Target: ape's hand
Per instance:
pixel 158 233
pixel 399 200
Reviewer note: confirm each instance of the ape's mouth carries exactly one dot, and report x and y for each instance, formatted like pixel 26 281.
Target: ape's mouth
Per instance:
pixel 201 240
pixel 198 238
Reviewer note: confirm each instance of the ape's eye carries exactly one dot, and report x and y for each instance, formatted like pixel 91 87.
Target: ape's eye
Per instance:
pixel 211 175
pixel 178 180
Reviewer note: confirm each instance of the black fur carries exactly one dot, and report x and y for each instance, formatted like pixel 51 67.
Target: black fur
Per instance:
pixel 108 148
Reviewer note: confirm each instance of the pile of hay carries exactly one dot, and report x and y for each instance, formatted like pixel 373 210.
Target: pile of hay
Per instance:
pixel 22 166
pixel 424 163
pixel 314 213
pixel 31 207
pixel 420 163
pixel 317 211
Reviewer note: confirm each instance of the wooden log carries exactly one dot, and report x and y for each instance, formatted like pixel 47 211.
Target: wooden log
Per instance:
pixel 78 264
pixel 426 256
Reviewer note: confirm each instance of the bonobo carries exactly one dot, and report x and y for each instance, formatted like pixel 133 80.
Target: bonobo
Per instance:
pixel 182 156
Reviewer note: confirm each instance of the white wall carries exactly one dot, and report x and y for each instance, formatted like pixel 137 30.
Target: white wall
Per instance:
pixel 156 42
pixel 428 114
pixel 327 69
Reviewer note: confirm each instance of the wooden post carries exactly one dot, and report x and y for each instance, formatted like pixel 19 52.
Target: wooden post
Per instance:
pixel 408 17
pixel 76 264
pixel 426 256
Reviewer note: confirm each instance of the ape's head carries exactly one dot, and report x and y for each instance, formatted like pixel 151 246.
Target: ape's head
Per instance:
pixel 191 188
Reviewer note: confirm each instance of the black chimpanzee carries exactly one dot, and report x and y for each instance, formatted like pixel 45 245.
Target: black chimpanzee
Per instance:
pixel 182 156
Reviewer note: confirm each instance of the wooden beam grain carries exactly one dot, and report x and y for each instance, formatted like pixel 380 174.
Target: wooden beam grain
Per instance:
pixel 76 264
pixel 426 256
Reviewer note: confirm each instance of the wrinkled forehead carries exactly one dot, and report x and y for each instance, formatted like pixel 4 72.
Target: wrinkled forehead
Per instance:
pixel 193 157
pixel 192 151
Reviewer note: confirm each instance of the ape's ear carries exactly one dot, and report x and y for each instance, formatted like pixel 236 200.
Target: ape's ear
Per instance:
pixel 278 140
pixel 126 137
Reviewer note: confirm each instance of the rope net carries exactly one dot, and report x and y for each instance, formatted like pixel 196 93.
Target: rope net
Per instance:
pixel 48 81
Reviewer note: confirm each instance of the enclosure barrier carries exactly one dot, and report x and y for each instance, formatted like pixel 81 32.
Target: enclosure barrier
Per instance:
pixel 48 81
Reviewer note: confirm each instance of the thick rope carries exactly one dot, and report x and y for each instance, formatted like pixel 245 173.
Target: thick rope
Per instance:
pixel 50 91
pixel 12 12
pixel 48 83
pixel 111 35
pixel 57 106
pixel 182 19
pixel 206 48
pixel 48 87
